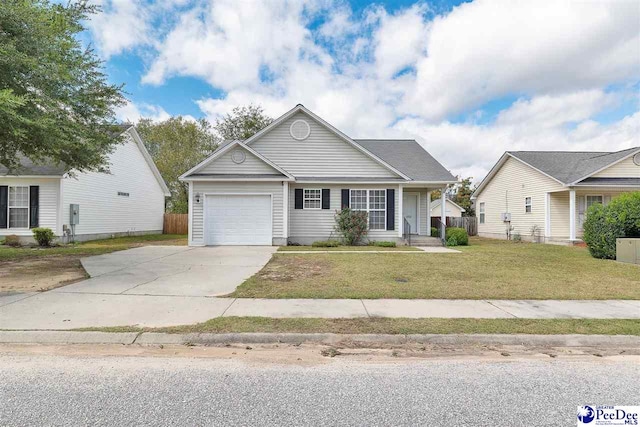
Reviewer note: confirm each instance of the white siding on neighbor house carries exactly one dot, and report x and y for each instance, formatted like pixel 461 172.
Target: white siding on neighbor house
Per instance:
pixel 319 224
pixel 274 188
pixel 48 197
pixel 452 210
pixel 506 192
pixel 251 165
pixel 322 154
pixel 624 169
pixel 102 210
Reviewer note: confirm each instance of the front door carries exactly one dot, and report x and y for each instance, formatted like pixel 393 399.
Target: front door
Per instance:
pixel 410 211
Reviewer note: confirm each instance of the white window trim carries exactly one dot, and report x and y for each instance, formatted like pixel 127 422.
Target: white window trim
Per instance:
pixel 304 199
pixel 529 205
pixel 9 207
pixel 482 212
pixel 368 209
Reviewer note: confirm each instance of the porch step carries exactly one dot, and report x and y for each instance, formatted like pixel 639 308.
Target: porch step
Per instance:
pixel 424 241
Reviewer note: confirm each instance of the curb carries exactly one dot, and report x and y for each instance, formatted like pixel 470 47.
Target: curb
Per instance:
pixel 155 338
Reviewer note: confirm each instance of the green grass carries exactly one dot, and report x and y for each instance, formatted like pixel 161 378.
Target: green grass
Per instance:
pixel 95 247
pixel 400 326
pixel 487 269
pixel 346 248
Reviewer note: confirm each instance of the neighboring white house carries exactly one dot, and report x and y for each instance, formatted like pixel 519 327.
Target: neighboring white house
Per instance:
pixel 453 210
pixel 286 182
pixel 549 191
pixel 128 200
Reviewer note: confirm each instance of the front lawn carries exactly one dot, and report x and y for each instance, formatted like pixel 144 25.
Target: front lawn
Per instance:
pixel 28 269
pixel 487 269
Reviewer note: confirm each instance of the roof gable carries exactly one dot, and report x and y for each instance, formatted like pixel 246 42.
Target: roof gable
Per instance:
pixel 323 142
pixel 436 203
pixel 222 163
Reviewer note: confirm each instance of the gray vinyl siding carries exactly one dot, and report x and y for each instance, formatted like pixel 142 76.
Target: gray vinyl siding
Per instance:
pixel 322 154
pixel 319 223
pixel 273 188
pixel 251 165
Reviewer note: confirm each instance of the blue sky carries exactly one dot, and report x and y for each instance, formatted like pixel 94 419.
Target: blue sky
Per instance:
pixel 468 80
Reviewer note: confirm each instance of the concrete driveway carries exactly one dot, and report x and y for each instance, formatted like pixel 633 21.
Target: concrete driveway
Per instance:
pixel 147 286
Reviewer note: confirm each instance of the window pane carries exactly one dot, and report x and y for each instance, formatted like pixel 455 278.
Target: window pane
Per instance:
pixel 312 204
pixel 19 197
pixel 312 199
pixel 18 218
pixel 376 220
pixel 593 200
pixel 481 218
pixel 359 199
pixel 377 199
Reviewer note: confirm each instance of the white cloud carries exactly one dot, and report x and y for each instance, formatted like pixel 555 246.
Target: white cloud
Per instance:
pixel 131 112
pixel 122 25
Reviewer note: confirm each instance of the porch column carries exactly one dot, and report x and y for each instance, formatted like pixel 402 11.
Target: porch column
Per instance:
pixel 428 213
pixel 285 210
pixel 400 211
pixel 547 216
pixel 572 214
pixel 443 212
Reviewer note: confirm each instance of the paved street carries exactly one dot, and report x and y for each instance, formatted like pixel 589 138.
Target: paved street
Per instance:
pixel 116 390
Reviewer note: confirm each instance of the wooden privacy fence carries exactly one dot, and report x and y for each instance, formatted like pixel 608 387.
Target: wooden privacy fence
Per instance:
pixel 175 224
pixel 469 223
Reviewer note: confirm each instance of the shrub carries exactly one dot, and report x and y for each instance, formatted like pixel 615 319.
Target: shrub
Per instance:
pixel 517 237
pixel 12 240
pixel 459 234
pixel 452 241
pixel 326 244
pixel 435 232
pixel 44 236
pixel 605 224
pixel 382 244
pixel 351 225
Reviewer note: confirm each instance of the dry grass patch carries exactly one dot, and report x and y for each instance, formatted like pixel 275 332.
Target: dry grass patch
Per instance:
pixel 487 269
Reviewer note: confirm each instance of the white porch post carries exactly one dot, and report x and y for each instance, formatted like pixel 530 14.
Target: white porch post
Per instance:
pixel 443 212
pixel 400 211
pixel 547 216
pixel 285 209
pixel 428 213
pixel 572 214
pixel 190 213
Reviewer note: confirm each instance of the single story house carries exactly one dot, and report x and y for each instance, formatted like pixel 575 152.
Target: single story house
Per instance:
pixel 544 195
pixel 128 200
pixel 285 183
pixel 453 210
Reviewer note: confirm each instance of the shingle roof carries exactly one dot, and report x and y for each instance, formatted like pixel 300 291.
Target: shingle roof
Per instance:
pixel 407 156
pixel 29 168
pixel 570 166
pixel 611 181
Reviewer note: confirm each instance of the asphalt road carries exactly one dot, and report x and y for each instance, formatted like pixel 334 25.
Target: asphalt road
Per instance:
pixel 116 390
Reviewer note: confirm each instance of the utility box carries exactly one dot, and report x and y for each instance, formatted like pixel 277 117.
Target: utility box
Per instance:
pixel 505 217
pixel 74 214
pixel 628 250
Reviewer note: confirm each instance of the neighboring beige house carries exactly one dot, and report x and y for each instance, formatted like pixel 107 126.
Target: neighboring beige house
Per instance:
pixel 453 210
pixel 551 191
pixel 285 183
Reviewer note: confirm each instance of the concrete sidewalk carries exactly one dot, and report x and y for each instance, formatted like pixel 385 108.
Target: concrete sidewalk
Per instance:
pixel 60 311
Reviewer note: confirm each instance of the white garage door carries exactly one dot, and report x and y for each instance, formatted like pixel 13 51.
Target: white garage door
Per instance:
pixel 238 220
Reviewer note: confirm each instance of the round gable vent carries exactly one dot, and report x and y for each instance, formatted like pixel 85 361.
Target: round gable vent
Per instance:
pixel 636 159
pixel 238 156
pixel 300 130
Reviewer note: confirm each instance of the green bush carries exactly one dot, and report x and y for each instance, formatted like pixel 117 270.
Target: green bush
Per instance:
pixel 452 241
pixel 458 234
pixel 12 240
pixel 382 244
pixel 435 232
pixel 44 236
pixel 326 244
pixel 351 225
pixel 605 224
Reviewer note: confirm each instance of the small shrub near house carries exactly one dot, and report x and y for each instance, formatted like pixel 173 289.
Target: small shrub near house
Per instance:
pixel 351 225
pixel 457 236
pixel 12 240
pixel 382 244
pixel 435 232
pixel 605 224
pixel 44 236
pixel 326 244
